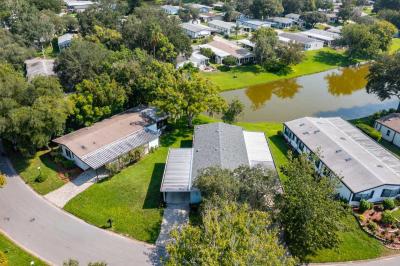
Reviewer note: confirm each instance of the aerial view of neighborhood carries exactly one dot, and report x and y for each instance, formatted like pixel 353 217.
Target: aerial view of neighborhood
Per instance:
pixel 199 132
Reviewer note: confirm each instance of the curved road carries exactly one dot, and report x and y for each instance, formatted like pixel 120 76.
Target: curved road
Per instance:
pixel 55 236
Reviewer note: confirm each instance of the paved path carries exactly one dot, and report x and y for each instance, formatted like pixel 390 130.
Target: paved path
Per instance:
pixel 62 195
pixel 55 236
pixel 175 216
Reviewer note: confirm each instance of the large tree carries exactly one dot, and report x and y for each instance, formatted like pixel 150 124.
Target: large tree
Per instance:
pixel 384 78
pixel 266 8
pixel 231 234
pixel 82 60
pixel 392 16
pixel 13 49
pixel 307 210
pixel 265 40
pixel 312 18
pixel 386 4
pixel 190 96
pixel 360 42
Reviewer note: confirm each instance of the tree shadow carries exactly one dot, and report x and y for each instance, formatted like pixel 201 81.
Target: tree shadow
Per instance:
pixel 334 59
pixel 154 231
pixel 19 162
pixel 153 198
pixel 280 143
pixel 188 143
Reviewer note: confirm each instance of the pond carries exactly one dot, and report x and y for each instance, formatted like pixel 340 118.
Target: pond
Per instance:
pixel 340 92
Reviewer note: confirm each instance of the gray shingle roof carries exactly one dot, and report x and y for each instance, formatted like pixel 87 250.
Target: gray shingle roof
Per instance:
pixel 218 144
pixel 360 162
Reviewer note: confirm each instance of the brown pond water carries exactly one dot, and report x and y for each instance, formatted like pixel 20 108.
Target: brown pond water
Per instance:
pixel 340 92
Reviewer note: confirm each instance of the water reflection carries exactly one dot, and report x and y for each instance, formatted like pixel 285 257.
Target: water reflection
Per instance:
pixel 348 81
pixel 259 94
pixel 335 92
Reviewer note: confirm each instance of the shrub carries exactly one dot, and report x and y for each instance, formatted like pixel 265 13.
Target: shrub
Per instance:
pixel 372 226
pixel 3 259
pixel 388 204
pixel 365 205
pixel 41 178
pixel 370 131
pixel 3 180
pixel 229 61
pixel 362 218
pixel 387 218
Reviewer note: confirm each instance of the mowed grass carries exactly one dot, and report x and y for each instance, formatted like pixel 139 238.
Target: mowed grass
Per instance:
pixel 132 198
pixel 314 62
pixel 28 170
pixel 16 255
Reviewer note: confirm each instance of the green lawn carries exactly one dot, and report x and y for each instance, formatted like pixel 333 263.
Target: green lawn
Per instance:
pixel 16 255
pixel 132 198
pixel 396 214
pixel 314 62
pixel 28 170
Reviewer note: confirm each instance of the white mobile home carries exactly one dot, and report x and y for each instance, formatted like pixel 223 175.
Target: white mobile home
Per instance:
pixel 308 44
pixel 253 24
pixel 170 10
pixel 282 22
pixel 226 28
pixel 363 168
pixel 322 35
pixel 196 31
pixel 389 126
pixel 39 67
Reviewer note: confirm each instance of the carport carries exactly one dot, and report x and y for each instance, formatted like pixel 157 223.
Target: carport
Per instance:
pixel 176 183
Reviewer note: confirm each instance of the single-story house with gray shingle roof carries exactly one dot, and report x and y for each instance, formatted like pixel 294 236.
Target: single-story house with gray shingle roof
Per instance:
pixel 105 141
pixel 39 67
pixel 196 31
pixel 214 145
pixel 363 168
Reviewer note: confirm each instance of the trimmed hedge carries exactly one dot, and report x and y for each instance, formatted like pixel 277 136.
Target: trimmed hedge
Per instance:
pixel 388 204
pixel 370 131
pixel 365 205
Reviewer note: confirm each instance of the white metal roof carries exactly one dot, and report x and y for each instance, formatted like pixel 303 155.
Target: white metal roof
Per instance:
pixel 222 24
pixel 257 148
pixel 321 34
pixel 359 161
pixel 195 27
pixel 177 173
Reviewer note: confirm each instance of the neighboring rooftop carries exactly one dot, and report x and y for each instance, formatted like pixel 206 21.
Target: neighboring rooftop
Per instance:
pixel 39 67
pixel 283 20
pixel 296 37
pixel 222 47
pixel 177 173
pixel 111 137
pixel 257 22
pixel 391 121
pixel 222 24
pixel 293 16
pixel 321 34
pixel 356 159
pixel 65 38
pixel 195 27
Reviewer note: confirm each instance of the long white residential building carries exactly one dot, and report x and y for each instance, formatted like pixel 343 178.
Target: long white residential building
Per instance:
pixel 364 168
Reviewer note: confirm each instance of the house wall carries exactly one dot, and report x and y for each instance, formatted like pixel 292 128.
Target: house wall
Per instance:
pixel 376 194
pixel 78 162
pixel 314 46
pixel 388 134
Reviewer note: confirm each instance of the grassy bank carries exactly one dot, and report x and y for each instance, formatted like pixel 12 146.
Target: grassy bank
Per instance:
pixel 314 62
pixel 15 255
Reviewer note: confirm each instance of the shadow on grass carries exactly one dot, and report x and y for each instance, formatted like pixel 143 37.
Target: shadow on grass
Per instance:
pixel 186 143
pixel 20 162
pixel 154 230
pixel 334 59
pixel 280 143
pixel 153 196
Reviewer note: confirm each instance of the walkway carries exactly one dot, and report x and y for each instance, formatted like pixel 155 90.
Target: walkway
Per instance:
pixel 62 195
pixel 55 236
pixel 385 261
pixel 175 216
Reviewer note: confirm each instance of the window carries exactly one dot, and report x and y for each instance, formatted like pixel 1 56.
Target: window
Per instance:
pixel 388 132
pixel 68 153
pixel 365 196
pixel 390 193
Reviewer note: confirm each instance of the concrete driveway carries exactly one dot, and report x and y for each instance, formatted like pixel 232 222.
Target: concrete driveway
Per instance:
pixel 55 236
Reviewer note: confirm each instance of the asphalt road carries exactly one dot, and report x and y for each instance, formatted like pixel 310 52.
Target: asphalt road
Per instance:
pixel 385 261
pixel 55 236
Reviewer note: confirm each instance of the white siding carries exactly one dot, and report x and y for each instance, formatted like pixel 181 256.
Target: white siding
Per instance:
pixel 377 193
pixel 343 191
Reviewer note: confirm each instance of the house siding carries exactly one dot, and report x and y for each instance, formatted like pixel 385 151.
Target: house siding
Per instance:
pixel 388 134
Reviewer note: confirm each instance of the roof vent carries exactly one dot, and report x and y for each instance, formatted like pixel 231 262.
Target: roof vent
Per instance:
pixel 337 151
pixel 342 138
pixel 83 147
pixel 379 166
pixel 348 159
pixel 316 131
pixel 305 133
pixel 302 124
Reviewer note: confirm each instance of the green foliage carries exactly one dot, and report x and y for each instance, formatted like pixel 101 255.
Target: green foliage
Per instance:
pixel 310 217
pixel 122 162
pixel 386 4
pixel 370 131
pixel 188 95
pixel 265 40
pixel 82 60
pixel 100 263
pixel 3 259
pixel 387 217
pixel 364 205
pixel 53 5
pixel 362 218
pixel 393 16
pixel 112 39
pixel 3 180
pixel 207 52
pixel 13 50
pixel 31 114
pixel 229 61
pixel 234 110
pixel 383 77
pixel 71 262
pixel 389 204
pixel 372 226
pixel 215 242
pixel 266 8
pixel 96 99
pixel 312 18
pixel 41 178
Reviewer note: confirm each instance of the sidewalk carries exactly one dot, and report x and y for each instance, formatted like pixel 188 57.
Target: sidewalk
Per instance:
pixel 62 195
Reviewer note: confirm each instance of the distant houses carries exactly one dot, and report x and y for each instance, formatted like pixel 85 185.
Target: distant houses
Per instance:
pixel 196 31
pixel 253 24
pixel 199 7
pixel 39 67
pixel 65 41
pixel 214 145
pixel 78 6
pixel 282 22
pixel 222 27
pixel 362 168
pixel 322 35
pixel 389 126
pixel 106 141
pixel 170 10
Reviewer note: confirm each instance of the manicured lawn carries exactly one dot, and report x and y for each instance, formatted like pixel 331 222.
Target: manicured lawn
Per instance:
pixel 355 245
pixel 28 170
pixel 132 198
pixel 244 76
pixel 15 255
